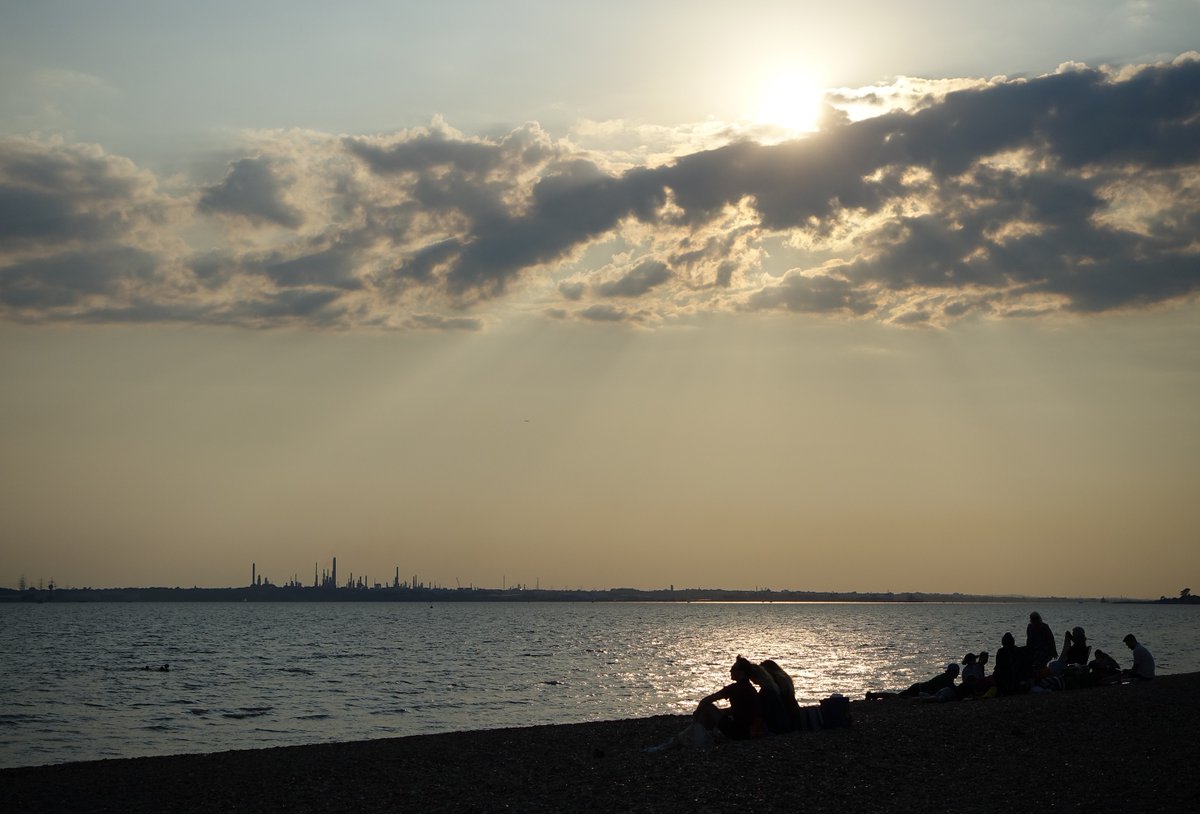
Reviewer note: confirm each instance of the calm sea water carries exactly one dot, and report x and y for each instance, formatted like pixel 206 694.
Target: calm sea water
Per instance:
pixel 257 675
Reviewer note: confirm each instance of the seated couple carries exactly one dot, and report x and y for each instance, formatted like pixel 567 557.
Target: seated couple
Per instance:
pixel 760 701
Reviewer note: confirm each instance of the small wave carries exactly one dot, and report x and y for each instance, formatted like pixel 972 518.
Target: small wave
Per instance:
pixel 157 727
pixel 198 711
pixel 553 683
pixel 536 655
pixel 299 670
pixel 319 716
pixel 239 716
pixel 247 712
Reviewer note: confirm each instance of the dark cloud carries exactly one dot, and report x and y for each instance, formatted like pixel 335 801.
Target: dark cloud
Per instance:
pixel 642 278
pixel 53 194
pixel 313 306
pixel 714 253
pixel 435 149
pixel 441 323
pixel 333 267
pixel 423 265
pixel 572 205
pixel 572 291
pixel 70 279
pixel 32 216
pixel 814 295
pixel 605 313
pixel 251 190
pixel 445 172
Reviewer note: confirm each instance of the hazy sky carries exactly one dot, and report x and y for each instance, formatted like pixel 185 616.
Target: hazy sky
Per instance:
pixel 862 297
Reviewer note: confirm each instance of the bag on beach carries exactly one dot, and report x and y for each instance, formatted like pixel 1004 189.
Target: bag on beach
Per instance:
pixel 835 711
pixel 810 719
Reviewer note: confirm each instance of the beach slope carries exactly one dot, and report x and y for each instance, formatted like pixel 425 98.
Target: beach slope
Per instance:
pixel 1130 747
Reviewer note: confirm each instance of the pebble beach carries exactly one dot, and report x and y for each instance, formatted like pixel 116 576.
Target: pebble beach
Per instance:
pixel 1131 747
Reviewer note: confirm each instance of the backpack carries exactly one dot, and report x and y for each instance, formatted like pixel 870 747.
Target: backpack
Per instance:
pixel 835 711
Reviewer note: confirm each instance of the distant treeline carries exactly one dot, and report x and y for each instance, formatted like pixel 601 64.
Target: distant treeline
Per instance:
pixel 274 593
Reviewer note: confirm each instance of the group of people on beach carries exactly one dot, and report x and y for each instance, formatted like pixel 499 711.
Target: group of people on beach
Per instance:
pixel 761 699
pixel 1038 666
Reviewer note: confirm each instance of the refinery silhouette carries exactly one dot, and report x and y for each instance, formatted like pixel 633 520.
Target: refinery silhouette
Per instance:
pixel 325 587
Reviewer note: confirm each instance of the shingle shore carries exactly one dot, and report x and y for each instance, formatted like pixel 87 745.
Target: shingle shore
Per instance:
pixel 1132 747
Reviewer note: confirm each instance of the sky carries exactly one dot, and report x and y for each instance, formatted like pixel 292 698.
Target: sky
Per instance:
pixel 826 297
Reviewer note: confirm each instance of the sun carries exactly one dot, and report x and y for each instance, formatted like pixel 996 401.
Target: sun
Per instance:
pixel 791 100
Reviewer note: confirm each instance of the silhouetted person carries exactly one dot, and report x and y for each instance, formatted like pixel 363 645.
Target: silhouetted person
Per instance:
pixel 770 699
pixel 971 668
pixel 787 692
pixel 1103 668
pixel 987 682
pixel 1039 641
pixel 1012 672
pixel 1076 650
pixel 972 676
pixel 931 687
pixel 1143 662
pixel 742 719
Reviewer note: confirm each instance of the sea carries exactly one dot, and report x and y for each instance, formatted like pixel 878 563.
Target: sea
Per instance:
pixel 84 681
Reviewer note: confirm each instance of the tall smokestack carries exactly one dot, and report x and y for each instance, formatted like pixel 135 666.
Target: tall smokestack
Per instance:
pixel 253 572
pixel 335 572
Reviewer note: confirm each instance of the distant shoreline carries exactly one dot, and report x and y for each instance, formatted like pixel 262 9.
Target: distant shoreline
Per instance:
pixel 1127 747
pixel 292 593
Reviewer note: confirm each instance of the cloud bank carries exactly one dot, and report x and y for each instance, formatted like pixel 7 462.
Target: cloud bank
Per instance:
pixel 1074 192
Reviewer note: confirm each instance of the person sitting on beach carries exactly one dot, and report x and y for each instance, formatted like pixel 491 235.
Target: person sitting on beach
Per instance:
pixel 1039 641
pixel 1143 662
pixel 987 684
pixel 770 699
pixel 933 687
pixel 1103 668
pixel 1075 647
pixel 741 720
pixel 787 692
pixel 972 670
pixel 743 717
pixel 972 676
pixel 1012 673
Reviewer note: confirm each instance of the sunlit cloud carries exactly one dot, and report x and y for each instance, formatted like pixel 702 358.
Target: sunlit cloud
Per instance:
pixel 927 201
